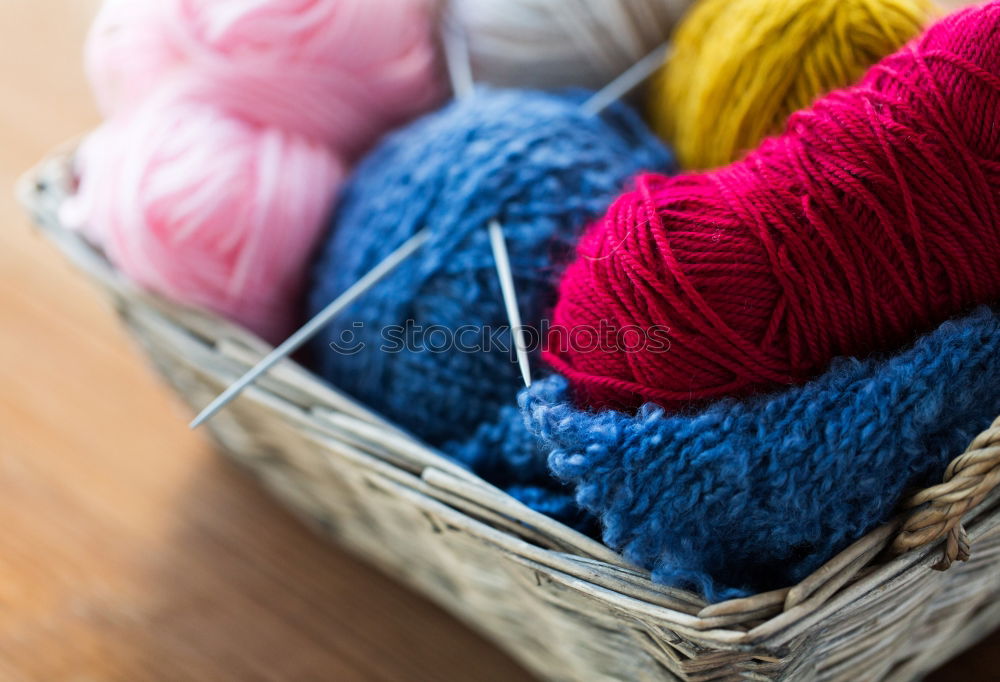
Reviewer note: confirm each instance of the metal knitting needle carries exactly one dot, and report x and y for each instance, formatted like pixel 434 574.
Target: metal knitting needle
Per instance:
pixel 456 51
pixel 510 298
pixel 460 71
pixel 307 331
pixel 456 57
pixel 628 79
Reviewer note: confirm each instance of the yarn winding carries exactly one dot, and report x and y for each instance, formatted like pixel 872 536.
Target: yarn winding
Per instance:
pixel 747 496
pixel 433 349
pixel 740 68
pixel 874 217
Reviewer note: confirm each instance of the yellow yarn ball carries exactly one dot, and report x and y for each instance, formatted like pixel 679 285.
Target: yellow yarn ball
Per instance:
pixel 740 68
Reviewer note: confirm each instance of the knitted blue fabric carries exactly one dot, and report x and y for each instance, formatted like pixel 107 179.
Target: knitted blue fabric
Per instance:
pixel 505 453
pixel 752 495
pixel 532 160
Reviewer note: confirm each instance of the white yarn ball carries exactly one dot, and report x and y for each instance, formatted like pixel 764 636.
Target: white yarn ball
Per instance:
pixel 551 44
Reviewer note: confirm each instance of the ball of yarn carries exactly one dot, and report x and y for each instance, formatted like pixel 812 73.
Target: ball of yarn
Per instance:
pixel 341 71
pixel 748 496
pixel 739 68
pixel 428 346
pixel 558 43
pixel 206 208
pixel 875 216
pixel 230 125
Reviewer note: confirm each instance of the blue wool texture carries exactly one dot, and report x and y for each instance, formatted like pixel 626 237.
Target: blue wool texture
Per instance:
pixel 508 455
pixel 428 347
pixel 747 496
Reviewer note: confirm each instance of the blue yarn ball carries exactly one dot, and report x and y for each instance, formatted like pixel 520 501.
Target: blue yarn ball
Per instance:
pixel 747 496
pixel 535 162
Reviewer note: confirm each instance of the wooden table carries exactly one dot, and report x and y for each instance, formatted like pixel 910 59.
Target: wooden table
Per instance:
pixel 128 550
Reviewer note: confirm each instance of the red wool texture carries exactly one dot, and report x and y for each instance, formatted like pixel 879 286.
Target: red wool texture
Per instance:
pixel 874 217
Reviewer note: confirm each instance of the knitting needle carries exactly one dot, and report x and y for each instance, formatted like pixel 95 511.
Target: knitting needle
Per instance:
pixel 460 71
pixel 456 57
pixel 461 77
pixel 456 51
pixel 293 342
pixel 628 79
pixel 603 98
pixel 510 298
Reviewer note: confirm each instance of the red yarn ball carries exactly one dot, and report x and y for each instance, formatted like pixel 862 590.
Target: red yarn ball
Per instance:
pixel 875 216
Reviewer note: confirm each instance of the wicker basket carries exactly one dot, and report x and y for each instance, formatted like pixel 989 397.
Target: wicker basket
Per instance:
pixel 563 604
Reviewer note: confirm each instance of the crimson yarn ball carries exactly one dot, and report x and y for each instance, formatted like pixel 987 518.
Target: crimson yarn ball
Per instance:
pixel 875 216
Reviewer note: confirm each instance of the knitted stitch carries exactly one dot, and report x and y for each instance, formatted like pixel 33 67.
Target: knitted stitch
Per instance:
pixel 532 160
pixel 510 457
pixel 747 496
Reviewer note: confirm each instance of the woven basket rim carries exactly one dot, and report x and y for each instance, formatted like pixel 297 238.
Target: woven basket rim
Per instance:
pixel 951 515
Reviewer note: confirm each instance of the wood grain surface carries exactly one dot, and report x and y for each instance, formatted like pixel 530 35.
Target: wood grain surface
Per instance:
pixel 129 551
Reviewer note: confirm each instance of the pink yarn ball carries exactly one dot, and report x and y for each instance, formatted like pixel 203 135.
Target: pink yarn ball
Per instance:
pixel 341 71
pixel 206 208
pixel 231 123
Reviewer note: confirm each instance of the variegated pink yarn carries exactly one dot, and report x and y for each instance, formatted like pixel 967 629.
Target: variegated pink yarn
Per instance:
pixel 230 125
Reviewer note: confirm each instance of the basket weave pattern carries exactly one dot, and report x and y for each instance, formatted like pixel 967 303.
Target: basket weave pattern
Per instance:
pixel 563 604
